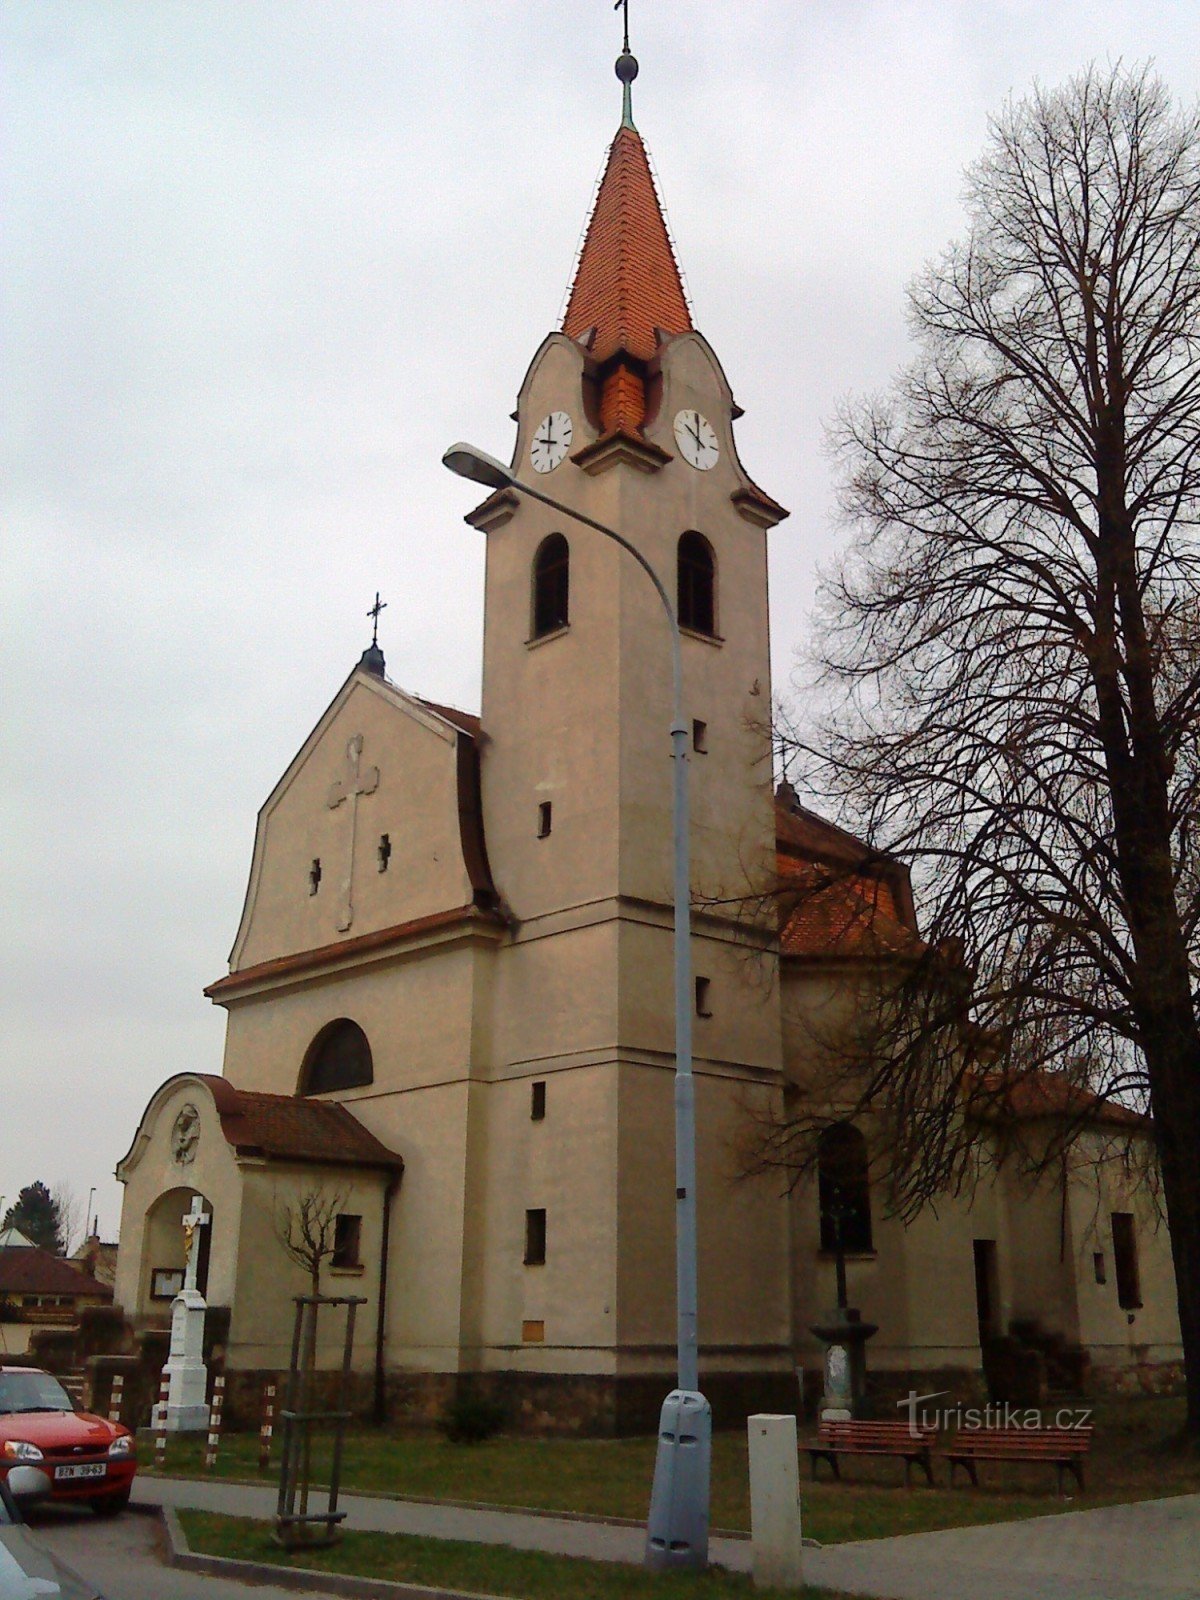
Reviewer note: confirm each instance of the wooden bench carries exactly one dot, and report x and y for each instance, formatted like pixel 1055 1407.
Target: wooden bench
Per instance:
pixel 1064 1448
pixel 913 1442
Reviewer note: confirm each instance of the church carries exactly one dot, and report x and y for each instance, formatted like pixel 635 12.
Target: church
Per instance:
pixel 450 1003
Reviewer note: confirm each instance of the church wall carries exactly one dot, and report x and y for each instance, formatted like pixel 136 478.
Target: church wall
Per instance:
pixel 727 679
pixel 560 1316
pixel 260 1331
pixel 550 705
pixel 415 803
pixel 415 1010
pixel 1115 1337
pixel 555 994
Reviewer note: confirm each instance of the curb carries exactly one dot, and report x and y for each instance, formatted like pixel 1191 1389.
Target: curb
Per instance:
pixel 306 1578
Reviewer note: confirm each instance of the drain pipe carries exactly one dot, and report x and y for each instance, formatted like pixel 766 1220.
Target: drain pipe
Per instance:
pixel 389 1194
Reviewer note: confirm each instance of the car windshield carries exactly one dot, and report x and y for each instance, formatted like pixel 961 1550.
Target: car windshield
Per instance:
pixel 32 1391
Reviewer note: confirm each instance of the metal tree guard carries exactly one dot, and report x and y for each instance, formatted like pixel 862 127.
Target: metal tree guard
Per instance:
pixel 296 1528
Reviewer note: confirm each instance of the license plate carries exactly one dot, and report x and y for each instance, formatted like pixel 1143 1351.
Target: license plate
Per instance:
pixel 95 1469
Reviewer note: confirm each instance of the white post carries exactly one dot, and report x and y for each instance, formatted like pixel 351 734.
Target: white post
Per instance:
pixel 775 1502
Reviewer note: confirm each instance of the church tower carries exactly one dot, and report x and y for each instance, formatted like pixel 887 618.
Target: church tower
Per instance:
pixel 625 416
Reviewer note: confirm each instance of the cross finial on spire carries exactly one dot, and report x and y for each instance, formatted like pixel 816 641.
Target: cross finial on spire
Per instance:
pixel 373 613
pixel 626 69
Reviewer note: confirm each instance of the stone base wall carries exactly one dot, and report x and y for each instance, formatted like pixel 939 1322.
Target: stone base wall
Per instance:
pixel 547 1403
pixel 1142 1377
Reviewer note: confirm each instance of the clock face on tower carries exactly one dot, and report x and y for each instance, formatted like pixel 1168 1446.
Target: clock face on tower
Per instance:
pixel 551 441
pixel 696 440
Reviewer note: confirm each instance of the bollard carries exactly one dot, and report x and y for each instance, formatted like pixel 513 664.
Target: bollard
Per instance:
pixel 160 1424
pixel 115 1396
pixel 214 1422
pixel 775 1502
pixel 268 1426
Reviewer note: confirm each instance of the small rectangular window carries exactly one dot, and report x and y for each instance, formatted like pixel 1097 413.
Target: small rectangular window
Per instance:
pixel 537 1102
pixel 533 1332
pixel 1125 1259
pixel 347 1241
pixel 314 875
pixel 1098 1266
pixel 544 820
pixel 384 851
pixel 702 997
pixel 700 738
pixel 535 1238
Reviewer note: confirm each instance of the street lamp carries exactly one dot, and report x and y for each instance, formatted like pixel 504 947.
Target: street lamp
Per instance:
pixel 677 1531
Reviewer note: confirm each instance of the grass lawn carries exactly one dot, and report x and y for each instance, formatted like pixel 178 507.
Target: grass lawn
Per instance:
pixel 1134 1457
pixel 479 1568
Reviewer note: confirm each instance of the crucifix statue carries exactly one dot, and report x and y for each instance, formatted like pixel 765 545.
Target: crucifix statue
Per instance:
pixel 355 781
pixel 197 1217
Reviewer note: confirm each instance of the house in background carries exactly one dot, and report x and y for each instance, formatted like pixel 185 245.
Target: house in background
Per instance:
pixel 40 1290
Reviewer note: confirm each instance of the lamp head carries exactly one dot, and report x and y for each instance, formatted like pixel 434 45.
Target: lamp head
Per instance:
pixel 468 462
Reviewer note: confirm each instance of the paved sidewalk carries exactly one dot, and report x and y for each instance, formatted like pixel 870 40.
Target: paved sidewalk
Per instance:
pixel 1147 1551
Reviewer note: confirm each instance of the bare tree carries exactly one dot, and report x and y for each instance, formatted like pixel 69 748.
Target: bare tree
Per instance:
pixel 1009 648
pixel 74 1224
pixel 306 1227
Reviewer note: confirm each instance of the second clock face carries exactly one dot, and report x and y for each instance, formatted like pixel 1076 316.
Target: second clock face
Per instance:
pixel 696 440
pixel 551 441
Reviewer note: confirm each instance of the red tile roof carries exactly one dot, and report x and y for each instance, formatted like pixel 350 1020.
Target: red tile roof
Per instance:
pixel 1003 1097
pixel 838 897
pixel 31 1270
pixel 292 1129
pixel 627 283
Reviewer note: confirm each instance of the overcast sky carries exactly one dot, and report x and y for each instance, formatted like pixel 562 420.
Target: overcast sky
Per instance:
pixel 262 261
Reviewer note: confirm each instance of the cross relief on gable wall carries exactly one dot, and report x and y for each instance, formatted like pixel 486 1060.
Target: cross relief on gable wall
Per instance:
pixel 356 780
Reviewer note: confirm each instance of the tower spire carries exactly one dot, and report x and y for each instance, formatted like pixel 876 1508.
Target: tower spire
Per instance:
pixel 626 70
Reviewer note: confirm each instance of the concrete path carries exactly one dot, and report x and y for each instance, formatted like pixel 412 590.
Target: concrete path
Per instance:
pixel 1147 1551
pixel 122 1556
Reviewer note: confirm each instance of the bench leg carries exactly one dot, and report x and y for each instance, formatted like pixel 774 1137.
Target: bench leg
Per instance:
pixel 925 1462
pixel 824 1455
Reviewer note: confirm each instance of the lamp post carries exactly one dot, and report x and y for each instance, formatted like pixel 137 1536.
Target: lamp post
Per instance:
pixel 677 1532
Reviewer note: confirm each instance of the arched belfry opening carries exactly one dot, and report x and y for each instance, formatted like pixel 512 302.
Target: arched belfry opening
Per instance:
pixel 696 585
pixel 551 585
pixel 338 1058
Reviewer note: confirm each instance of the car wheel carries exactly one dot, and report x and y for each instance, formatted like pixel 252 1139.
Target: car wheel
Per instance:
pixel 108 1505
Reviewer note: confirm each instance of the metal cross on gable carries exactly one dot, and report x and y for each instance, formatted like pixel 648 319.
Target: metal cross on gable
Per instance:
pixel 354 782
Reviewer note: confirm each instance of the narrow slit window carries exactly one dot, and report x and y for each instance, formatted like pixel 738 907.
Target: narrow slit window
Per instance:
pixel 537 1102
pixel 700 738
pixel 1098 1266
pixel 535 1238
pixel 384 851
pixel 544 819
pixel 703 1006
pixel 314 875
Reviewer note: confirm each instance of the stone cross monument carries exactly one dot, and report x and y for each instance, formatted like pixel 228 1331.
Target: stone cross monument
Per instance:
pixel 187 1395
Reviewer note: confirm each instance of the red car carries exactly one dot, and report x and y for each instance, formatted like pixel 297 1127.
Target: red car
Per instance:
pixel 48 1449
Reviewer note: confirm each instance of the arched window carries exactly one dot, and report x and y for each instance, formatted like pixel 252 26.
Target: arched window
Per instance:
pixel 844 1188
pixel 338 1058
pixel 551 585
pixel 696 594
